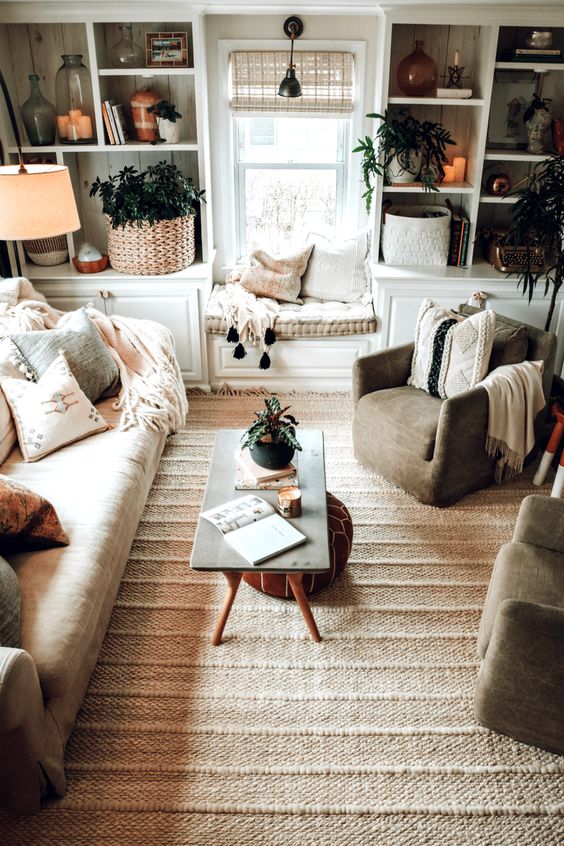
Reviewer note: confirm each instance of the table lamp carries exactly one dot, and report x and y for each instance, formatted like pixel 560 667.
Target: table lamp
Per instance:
pixel 36 201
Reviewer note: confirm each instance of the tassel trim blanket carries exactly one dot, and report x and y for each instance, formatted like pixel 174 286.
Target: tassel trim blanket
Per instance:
pixel 249 319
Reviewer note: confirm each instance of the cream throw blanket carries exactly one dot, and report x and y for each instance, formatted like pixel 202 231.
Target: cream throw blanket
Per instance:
pixel 251 316
pixel 515 398
pixel 152 393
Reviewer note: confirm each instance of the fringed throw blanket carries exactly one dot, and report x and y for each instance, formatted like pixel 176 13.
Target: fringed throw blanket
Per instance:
pixel 249 319
pixel 515 398
pixel 152 393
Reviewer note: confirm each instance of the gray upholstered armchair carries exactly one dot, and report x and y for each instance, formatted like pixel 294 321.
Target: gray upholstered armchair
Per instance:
pixel 520 689
pixel 434 448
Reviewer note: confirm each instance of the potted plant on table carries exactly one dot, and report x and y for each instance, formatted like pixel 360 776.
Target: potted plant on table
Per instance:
pixel 402 149
pixel 168 121
pixel 149 218
pixel 538 218
pixel 271 438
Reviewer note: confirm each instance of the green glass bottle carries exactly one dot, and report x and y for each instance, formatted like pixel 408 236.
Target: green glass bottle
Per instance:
pixel 38 116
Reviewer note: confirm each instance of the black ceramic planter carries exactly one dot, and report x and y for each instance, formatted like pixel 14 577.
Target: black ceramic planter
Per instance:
pixel 272 456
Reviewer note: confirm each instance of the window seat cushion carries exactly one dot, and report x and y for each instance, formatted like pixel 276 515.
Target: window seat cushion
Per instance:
pixel 314 318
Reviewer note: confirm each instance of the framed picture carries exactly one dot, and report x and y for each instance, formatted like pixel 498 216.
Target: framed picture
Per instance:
pixel 166 49
pixel 511 95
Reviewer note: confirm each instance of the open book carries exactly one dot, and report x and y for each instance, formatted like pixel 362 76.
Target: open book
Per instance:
pixel 252 527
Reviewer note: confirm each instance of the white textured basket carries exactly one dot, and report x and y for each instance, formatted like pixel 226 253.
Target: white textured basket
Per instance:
pixel 410 238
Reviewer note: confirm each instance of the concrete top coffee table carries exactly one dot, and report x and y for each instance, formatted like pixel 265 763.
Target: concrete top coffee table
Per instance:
pixel 211 552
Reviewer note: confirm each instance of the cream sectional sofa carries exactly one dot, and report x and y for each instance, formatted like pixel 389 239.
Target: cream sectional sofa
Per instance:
pixel 98 487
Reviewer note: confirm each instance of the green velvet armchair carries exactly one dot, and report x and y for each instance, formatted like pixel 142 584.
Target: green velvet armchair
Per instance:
pixel 432 448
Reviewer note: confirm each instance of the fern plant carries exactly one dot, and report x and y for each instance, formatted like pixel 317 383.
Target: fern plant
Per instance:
pixel 538 219
pixel 403 137
pixel 272 425
pixel 161 192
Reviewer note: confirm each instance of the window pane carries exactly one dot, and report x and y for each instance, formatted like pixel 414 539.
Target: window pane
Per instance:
pixel 283 205
pixel 289 140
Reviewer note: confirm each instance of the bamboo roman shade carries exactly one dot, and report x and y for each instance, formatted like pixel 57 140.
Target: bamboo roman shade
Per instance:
pixel 326 78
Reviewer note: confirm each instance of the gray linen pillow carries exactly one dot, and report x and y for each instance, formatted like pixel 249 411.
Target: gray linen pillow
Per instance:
pixel 10 601
pixel 92 366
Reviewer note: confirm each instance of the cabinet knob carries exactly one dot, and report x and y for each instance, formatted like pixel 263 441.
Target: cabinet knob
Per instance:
pixel 105 295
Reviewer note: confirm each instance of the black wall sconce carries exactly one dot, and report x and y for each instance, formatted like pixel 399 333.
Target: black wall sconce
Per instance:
pixel 290 86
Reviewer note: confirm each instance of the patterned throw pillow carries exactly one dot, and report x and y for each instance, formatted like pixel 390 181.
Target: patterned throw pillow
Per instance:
pixel 52 412
pixel 337 270
pixel 451 353
pixel 279 277
pixel 10 602
pixel 93 367
pixel 27 520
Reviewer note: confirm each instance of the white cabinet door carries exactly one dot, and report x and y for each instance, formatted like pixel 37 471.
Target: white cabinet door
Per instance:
pixel 70 302
pixel 179 313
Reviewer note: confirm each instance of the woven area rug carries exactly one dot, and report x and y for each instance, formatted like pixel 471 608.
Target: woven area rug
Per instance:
pixel 272 740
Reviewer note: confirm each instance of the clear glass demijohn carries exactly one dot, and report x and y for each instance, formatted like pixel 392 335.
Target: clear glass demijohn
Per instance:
pixel 126 53
pixel 73 94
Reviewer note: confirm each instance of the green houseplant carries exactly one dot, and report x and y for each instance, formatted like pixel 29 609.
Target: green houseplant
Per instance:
pixel 271 438
pixel 168 121
pixel 538 217
pixel 402 148
pixel 149 218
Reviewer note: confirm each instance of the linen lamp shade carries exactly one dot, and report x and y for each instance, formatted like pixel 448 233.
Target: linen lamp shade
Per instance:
pixel 38 203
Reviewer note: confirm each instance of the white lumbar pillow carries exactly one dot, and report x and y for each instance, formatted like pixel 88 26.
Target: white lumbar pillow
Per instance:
pixel 337 270
pixel 52 412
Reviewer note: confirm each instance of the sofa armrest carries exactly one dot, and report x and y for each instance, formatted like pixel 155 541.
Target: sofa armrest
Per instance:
pixel 520 687
pixel 463 425
pixel 22 725
pixel 541 522
pixel 386 369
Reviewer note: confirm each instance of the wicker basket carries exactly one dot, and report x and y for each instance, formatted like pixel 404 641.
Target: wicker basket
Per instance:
pixel 47 252
pixel 411 237
pixel 164 247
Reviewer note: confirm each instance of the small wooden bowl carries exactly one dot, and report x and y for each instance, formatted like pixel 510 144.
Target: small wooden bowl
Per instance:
pixel 90 266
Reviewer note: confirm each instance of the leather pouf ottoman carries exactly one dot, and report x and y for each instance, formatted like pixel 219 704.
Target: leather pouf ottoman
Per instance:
pixel 340 543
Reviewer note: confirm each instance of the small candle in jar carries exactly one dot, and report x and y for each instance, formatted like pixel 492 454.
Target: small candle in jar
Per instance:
pixel 449 173
pixel 290 501
pixel 456 58
pixel 74 115
pixel 459 164
pixel 84 127
pixel 72 131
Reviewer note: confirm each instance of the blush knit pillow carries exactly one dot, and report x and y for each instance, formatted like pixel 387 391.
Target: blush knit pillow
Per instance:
pixel 451 353
pixel 279 277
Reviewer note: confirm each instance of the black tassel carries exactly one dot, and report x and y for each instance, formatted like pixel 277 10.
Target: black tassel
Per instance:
pixel 264 363
pixel 233 335
pixel 239 351
pixel 269 337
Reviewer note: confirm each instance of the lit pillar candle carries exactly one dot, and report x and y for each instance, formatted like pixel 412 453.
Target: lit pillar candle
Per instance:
pixel 84 127
pixel 459 164
pixel 62 125
pixel 449 173
pixel 72 131
pixel 456 58
pixel 74 115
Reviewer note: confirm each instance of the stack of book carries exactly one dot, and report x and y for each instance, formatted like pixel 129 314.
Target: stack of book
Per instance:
pixel 459 237
pixel 249 476
pixel 114 121
pixel 523 54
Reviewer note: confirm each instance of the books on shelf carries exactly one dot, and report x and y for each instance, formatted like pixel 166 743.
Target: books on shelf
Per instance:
pixel 115 123
pixel 522 54
pixel 252 527
pixel 459 238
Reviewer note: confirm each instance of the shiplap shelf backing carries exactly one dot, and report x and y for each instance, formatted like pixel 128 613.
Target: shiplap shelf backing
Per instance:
pixel 326 78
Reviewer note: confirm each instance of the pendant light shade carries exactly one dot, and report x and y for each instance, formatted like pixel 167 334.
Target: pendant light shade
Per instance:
pixel 290 86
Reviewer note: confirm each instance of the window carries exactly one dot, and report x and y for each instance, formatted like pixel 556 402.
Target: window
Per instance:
pixel 290 178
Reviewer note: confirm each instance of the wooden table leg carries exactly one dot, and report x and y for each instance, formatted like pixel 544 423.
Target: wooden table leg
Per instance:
pixel 233 582
pixel 296 583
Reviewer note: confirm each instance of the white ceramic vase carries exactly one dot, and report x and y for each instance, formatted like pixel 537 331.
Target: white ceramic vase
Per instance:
pixel 169 131
pixel 398 173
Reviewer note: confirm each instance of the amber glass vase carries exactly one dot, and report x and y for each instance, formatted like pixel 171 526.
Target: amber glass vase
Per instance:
pixel 417 73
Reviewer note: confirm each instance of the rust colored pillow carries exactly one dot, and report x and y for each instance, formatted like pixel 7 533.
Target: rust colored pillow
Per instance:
pixel 340 529
pixel 27 521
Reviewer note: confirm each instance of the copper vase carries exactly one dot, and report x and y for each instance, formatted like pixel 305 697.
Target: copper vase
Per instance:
pixel 145 122
pixel 417 73
pixel 558 136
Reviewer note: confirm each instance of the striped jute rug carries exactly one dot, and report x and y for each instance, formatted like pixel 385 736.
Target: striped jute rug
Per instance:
pixel 272 740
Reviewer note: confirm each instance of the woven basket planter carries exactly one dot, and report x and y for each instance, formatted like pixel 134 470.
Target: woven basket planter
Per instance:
pixel 408 237
pixel 164 247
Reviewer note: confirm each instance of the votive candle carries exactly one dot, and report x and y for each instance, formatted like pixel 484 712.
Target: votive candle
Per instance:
pixel 74 115
pixel 84 127
pixel 459 164
pixel 449 173
pixel 72 131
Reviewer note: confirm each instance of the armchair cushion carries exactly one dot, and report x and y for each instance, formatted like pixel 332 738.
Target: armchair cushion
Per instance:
pixel 396 417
